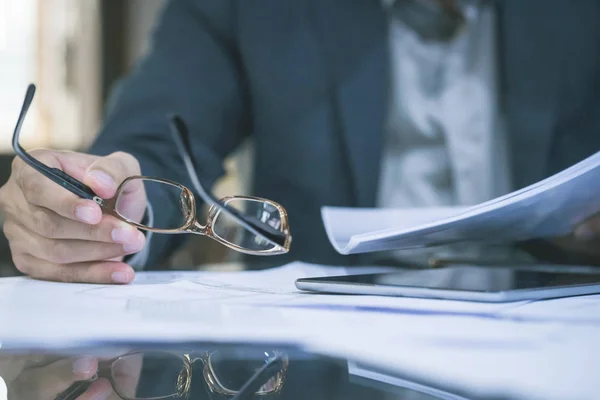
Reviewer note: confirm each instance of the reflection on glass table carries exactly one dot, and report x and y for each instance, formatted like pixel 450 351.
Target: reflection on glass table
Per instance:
pixel 240 376
pixel 195 372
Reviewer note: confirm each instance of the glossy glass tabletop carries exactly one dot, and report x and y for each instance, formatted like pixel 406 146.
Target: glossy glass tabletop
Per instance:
pixel 199 371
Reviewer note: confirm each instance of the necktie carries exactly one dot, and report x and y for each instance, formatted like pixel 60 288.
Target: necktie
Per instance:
pixel 434 20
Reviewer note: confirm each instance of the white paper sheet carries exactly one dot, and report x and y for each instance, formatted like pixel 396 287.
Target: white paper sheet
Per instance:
pixel 3 390
pixel 562 365
pixel 584 310
pixel 551 207
pixel 196 305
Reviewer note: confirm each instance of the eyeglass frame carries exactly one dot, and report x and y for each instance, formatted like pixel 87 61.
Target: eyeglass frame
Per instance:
pixel 192 225
pixel 183 387
pixel 281 239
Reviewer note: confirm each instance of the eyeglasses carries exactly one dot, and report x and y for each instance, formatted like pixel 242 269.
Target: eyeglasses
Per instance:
pixel 250 225
pixel 231 376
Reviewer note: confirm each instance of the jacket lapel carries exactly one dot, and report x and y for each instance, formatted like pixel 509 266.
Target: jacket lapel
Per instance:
pixel 535 49
pixel 543 51
pixel 353 39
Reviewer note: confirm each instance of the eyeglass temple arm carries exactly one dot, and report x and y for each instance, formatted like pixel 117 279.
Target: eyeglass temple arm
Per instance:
pixel 74 391
pixel 181 135
pixel 259 378
pixel 55 174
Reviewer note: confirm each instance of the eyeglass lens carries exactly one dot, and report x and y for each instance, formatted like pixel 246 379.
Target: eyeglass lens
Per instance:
pixel 234 371
pixel 128 205
pixel 169 370
pixel 231 231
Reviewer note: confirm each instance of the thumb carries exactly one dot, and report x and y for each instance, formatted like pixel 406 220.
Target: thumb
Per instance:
pixel 106 174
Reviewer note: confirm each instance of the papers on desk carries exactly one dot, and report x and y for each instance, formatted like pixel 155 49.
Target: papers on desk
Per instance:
pixel 550 207
pixel 474 347
pixel 250 305
pixel 581 310
pixel 238 306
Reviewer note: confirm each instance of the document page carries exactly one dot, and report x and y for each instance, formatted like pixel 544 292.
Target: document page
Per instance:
pixel 199 305
pixel 551 207
pixel 579 309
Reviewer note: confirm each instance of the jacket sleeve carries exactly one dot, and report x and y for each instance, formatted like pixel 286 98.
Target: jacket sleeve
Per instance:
pixel 192 69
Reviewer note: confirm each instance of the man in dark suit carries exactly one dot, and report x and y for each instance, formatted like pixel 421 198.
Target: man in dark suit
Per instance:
pixel 329 93
pixel 355 103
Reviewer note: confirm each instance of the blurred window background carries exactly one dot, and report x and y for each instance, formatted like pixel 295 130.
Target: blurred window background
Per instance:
pixel 53 43
pixel 18 52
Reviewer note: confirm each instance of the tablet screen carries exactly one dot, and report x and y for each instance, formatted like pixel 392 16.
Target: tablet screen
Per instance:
pixel 471 278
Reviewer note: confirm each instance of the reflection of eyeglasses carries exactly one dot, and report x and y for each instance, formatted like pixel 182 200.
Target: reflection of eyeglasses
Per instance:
pixel 250 225
pixel 226 375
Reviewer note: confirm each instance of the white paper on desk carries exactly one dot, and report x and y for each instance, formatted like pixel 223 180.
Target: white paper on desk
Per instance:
pixel 551 207
pixel 217 306
pixel 559 364
pixel 579 309
pixel 469 345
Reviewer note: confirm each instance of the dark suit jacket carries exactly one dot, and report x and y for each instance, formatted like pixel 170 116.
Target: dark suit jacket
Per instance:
pixel 308 80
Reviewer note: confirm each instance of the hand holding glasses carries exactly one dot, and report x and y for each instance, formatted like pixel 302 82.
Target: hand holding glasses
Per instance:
pixel 250 225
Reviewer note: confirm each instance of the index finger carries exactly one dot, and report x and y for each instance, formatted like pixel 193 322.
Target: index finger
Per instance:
pixel 106 173
pixel 44 192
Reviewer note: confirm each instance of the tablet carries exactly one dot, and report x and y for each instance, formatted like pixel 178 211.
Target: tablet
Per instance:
pixel 464 282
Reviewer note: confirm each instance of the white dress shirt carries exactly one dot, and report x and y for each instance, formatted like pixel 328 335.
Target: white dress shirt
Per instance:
pixel 444 138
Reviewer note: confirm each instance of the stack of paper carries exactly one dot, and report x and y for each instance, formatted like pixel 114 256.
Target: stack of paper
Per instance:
pixel 545 350
pixel 211 306
pixel 548 208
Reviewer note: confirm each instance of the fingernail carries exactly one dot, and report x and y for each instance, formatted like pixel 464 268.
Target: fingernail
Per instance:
pixel 584 232
pixel 135 246
pixel 121 277
pixel 84 366
pixel 86 214
pixel 103 178
pixel 125 235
